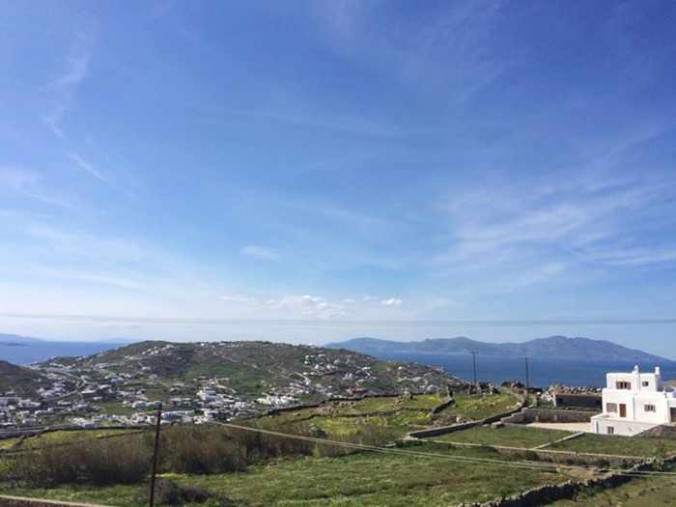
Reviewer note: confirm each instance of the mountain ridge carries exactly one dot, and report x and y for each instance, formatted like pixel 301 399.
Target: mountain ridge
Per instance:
pixel 557 346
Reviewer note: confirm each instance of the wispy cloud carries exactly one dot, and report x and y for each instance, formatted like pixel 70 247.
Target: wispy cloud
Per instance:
pixel 535 234
pixel 454 49
pixel 95 278
pixel 302 116
pixel 87 167
pixel 28 184
pixel 259 252
pixel 64 87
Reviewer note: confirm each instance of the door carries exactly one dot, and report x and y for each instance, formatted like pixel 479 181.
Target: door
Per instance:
pixel 673 415
pixel 623 410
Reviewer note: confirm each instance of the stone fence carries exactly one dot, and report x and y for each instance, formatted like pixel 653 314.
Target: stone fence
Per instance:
pixel 530 415
pixel 567 490
pixel 442 430
pixel 16 501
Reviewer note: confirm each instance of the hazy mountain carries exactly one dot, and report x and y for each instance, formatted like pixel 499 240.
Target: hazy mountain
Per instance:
pixel 24 350
pixel 553 347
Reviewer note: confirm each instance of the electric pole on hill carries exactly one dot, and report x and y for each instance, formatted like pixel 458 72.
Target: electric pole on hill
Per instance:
pixel 476 385
pixel 527 374
pixel 156 452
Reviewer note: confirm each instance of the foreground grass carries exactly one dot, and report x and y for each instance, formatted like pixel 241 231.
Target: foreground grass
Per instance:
pixel 509 436
pixel 355 480
pixel 626 446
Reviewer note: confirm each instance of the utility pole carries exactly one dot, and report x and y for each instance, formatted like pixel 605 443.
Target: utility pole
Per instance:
pixel 476 385
pixel 156 452
pixel 527 374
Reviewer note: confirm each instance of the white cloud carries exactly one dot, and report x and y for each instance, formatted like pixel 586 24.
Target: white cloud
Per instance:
pixel 240 298
pixel 391 302
pixel 309 306
pixel 259 252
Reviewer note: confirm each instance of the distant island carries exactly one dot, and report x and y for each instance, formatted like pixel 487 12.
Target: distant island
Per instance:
pixel 553 347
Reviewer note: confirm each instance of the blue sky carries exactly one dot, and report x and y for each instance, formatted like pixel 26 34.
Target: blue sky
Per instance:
pixel 337 161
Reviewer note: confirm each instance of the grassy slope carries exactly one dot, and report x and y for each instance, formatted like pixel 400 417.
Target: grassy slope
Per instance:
pixel 507 436
pixel 58 437
pixel 356 480
pixel 630 446
pixel 479 407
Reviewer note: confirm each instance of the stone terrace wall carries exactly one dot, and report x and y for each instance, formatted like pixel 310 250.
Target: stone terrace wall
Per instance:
pixel 442 430
pixel 566 490
pixel 529 415
pixel 15 501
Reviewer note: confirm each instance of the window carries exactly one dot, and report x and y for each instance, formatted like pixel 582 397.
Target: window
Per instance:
pixel 611 430
pixel 611 408
pixel 645 383
pixel 649 408
pixel 623 384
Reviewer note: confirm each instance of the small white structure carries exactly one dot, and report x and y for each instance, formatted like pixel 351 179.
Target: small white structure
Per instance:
pixel 635 402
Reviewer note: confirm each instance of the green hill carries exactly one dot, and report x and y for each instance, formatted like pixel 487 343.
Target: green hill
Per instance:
pixel 23 381
pixel 254 367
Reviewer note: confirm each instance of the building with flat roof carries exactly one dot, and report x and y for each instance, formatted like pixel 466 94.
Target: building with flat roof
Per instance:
pixel 635 402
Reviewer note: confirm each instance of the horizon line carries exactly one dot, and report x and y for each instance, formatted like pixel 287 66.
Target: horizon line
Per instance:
pixel 337 322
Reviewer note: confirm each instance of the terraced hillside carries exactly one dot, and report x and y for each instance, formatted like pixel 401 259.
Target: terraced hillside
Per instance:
pixel 394 415
pixel 244 371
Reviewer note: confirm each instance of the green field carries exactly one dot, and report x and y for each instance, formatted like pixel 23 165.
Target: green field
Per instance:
pixel 354 480
pixel 624 446
pixel 397 415
pixel 58 437
pixel 479 407
pixel 509 436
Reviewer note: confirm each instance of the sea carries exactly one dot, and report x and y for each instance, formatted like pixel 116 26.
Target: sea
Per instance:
pixel 543 372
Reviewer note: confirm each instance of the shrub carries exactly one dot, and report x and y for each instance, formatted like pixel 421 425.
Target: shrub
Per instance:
pixel 169 493
pixel 201 450
pixel 101 462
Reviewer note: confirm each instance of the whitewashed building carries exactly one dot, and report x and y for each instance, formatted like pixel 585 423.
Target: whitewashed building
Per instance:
pixel 635 402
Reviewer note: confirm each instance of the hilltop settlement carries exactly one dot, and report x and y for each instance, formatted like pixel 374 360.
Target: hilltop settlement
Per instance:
pixel 198 382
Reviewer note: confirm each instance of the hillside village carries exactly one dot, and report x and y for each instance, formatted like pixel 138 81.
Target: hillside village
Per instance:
pixel 200 382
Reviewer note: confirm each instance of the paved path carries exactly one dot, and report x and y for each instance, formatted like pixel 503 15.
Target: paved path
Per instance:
pixel 583 427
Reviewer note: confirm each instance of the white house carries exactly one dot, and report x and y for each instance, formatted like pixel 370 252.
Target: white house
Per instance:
pixel 634 402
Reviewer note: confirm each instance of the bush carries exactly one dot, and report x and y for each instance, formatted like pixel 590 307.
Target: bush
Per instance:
pixel 101 462
pixel 201 450
pixel 183 449
pixel 169 493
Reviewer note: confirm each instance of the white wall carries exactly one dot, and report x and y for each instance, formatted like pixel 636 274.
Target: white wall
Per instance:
pixel 621 427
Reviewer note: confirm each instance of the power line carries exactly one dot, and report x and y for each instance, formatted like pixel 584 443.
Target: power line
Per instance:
pixel 397 451
pixel 427 454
